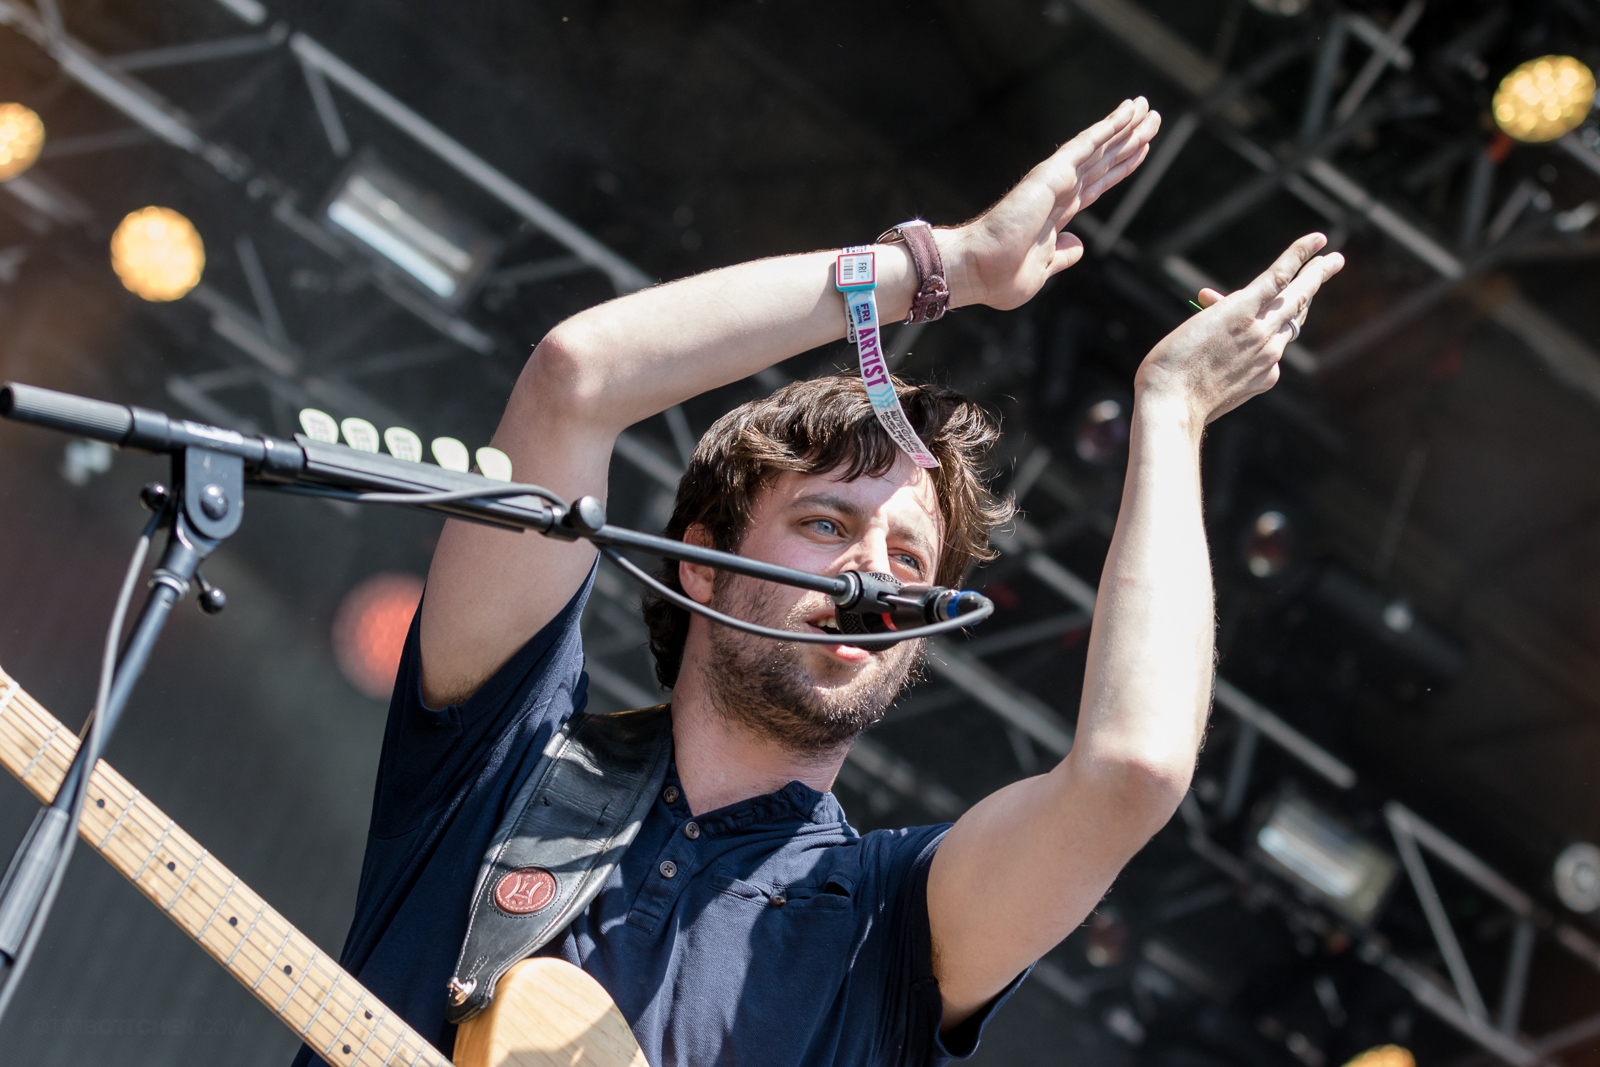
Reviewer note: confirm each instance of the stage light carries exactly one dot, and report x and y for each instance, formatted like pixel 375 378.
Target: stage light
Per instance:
pixel 1102 433
pixel 1269 544
pixel 1317 852
pixel 1577 877
pixel 442 250
pixel 369 631
pixel 21 138
pixel 1384 1056
pixel 158 254
pixel 1544 98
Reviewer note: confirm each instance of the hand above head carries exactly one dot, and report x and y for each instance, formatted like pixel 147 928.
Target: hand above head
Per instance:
pixel 1229 352
pixel 1008 252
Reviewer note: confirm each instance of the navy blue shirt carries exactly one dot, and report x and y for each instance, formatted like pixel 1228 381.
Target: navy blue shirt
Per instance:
pixel 781 937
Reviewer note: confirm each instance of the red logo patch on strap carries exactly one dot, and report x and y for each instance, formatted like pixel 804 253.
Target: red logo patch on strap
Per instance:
pixel 525 890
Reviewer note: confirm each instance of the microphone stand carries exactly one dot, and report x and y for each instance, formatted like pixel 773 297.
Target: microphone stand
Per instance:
pixel 204 508
pixel 211 466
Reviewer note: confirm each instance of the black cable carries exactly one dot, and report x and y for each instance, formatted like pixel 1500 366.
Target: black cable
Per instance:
pixel 891 637
pixel 453 497
pixel 875 641
pixel 499 493
pixel 92 743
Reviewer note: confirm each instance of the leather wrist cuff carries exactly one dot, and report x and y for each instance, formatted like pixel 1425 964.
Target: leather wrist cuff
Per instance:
pixel 933 292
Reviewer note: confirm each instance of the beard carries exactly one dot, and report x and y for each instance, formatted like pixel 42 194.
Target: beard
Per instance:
pixel 768 686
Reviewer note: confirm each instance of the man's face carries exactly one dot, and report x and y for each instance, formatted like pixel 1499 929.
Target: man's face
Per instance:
pixel 815 697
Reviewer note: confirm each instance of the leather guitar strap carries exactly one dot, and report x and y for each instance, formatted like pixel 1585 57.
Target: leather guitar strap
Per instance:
pixel 560 839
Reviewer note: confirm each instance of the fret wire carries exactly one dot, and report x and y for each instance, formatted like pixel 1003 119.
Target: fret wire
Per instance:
pixel 37 756
pixel 338 975
pixel 362 1051
pixel 383 1027
pixel 337 1034
pixel 131 837
pixel 193 870
pixel 221 900
pixel 45 743
pixel 305 971
pixel 246 938
pixel 127 807
pixel 349 1015
pixel 148 859
pixel 161 841
pixel 43 719
pixel 271 960
pixel 383 1020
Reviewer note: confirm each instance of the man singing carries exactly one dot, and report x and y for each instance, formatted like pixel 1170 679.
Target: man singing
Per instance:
pixel 748 923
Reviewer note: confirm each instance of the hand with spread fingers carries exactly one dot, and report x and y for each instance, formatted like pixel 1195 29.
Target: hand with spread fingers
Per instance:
pixel 1011 250
pixel 1230 351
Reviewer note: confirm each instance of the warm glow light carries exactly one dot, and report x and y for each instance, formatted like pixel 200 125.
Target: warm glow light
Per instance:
pixel 1384 1056
pixel 1269 545
pixel 1544 98
pixel 369 631
pixel 21 138
pixel 158 254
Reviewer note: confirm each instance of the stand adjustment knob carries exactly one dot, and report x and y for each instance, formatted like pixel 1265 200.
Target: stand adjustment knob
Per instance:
pixel 586 515
pixel 214 501
pixel 212 599
pixel 154 496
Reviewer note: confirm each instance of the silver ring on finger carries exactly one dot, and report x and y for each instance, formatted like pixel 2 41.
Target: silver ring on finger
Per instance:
pixel 1294 331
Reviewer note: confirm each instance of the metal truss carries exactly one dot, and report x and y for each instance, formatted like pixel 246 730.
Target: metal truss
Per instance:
pixel 282 368
pixel 1309 175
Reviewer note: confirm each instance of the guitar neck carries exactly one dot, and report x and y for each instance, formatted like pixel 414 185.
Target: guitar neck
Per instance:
pixel 301 985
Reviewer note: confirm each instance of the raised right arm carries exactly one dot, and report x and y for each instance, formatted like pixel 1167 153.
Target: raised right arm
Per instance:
pixel 608 367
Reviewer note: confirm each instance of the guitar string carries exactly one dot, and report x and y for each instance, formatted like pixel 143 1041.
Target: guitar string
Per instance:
pixel 396 1035
pixel 314 958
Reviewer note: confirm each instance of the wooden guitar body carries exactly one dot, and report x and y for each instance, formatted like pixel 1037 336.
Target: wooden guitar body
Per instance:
pixel 548 1013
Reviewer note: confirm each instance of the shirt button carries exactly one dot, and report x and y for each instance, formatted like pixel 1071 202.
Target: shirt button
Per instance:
pixel 692 831
pixel 779 899
pixel 669 869
pixel 670 794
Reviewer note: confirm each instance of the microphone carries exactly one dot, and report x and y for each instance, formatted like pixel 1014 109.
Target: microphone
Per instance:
pixel 876 603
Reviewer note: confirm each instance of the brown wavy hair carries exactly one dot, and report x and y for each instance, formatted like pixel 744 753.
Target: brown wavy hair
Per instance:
pixel 821 426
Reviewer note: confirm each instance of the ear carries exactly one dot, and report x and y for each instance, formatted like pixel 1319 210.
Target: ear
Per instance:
pixel 696 578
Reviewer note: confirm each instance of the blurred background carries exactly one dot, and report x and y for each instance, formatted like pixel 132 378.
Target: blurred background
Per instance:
pixel 375 208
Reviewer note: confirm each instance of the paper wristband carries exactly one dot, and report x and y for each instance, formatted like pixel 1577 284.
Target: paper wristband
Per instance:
pixel 856 277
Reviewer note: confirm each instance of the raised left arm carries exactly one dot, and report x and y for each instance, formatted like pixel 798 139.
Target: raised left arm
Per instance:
pixel 1026 865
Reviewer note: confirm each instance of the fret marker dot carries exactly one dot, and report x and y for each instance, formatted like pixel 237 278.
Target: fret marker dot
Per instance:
pixel 347 1050
pixel 100 803
pixel 369 1015
pixel 233 920
pixel 287 969
pixel 171 866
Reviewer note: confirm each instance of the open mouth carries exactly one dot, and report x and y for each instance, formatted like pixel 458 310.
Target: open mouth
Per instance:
pixel 828 626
